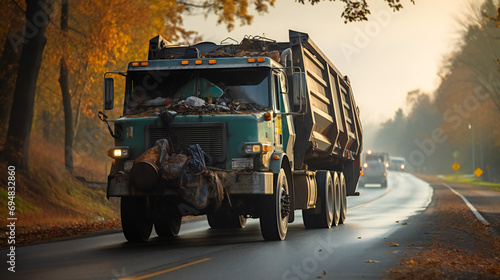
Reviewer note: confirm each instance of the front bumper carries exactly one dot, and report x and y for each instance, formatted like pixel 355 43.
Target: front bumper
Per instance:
pixel 368 179
pixel 244 183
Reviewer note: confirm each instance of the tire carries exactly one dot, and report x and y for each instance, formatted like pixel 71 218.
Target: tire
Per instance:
pixel 137 220
pixel 168 223
pixel 336 211
pixel 343 198
pixel 224 219
pixel 384 184
pixel 276 210
pixel 323 215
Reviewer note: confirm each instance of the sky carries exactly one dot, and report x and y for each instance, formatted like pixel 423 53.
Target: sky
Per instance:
pixel 385 58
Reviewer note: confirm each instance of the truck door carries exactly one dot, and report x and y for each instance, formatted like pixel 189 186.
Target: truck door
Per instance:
pixel 285 122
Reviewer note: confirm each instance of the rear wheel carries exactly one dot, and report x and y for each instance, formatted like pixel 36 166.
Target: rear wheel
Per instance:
pixel 336 211
pixel 137 220
pixel 323 215
pixel 276 210
pixel 343 199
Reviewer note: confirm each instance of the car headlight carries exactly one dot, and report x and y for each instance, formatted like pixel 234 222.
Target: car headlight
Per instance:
pixel 365 165
pixel 118 152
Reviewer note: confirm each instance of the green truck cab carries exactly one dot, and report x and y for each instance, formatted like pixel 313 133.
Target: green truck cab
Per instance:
pixel 274 122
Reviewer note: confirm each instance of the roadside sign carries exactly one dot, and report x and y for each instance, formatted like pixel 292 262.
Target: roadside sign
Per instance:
pixel 478 172
pixel 455 166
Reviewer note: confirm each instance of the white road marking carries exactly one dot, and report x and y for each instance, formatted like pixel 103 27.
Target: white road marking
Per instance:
pixel 472 208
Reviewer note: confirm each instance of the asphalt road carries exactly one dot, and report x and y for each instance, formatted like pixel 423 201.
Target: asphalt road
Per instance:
pixel 358 249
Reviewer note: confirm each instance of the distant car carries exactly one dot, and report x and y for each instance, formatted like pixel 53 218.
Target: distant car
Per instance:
pixel 384 157
pixel 374 172
pixel 397 164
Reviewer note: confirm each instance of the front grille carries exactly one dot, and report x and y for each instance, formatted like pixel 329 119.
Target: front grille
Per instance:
pixel 210 136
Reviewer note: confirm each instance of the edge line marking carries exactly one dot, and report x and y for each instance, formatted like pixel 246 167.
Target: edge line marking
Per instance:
pixel 471 207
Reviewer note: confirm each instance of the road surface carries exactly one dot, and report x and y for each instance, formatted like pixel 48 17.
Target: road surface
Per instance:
pixel 358 249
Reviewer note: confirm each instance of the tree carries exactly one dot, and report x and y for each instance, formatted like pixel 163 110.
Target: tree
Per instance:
pixel 358 10
pixel 480 51
pixel 66 96
pixel 108 32
pixel 21 117
pixel 468 97
pixel 9 60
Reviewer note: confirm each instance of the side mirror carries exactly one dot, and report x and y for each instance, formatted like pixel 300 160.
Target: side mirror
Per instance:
pixel 299 89
pixel 109 95
pixel 284 83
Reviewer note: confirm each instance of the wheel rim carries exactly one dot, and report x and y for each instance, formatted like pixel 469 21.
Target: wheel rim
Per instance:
pixel 243 221
pixel 276 210
pixel 343 200
pixel 330 201
pixel 284 206
pixel 336 217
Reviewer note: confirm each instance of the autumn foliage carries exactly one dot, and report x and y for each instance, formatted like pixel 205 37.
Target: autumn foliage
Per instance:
pixel 460 121
pixel 101 36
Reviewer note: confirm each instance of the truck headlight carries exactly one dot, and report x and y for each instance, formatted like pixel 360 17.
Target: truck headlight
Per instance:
pixel 118 152
pixel 252 148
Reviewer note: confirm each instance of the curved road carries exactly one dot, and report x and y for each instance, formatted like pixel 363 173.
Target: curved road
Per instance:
pixel 358 249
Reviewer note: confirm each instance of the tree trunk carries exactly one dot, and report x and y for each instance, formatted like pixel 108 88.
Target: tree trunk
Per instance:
pixel 66 95
pixel 22 110
pixel 9 63
pixel 9 66
pixel 68 116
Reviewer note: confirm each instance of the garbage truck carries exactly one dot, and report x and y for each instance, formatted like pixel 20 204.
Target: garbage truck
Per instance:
pixel 255 129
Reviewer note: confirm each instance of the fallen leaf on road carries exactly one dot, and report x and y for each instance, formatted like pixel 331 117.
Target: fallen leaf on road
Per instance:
pixel 404 224
pixel 371 261
pixel 393 244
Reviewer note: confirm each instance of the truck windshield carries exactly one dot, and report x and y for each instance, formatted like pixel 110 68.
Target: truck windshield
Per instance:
pixel 235 88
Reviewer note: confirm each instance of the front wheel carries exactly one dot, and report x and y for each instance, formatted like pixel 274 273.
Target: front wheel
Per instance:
pixel 168 223
pixel 137 220
pixel 276 210
pixel 223 219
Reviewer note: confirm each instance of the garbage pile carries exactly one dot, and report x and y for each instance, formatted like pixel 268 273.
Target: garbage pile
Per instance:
pixel 248 47
pixel 187 172
pixel 195 106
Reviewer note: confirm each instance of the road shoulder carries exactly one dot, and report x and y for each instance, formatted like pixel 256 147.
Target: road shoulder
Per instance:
pixel 447 242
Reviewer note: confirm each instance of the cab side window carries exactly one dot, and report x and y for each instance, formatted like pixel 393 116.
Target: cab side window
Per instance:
pixel 277 91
